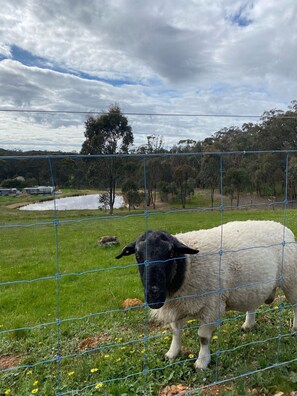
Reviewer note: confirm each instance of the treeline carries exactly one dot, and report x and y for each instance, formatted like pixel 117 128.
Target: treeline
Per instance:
pixel 171 174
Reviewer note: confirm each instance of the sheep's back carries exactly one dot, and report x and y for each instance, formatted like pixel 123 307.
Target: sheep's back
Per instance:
pixel 241 258
pixel 237 235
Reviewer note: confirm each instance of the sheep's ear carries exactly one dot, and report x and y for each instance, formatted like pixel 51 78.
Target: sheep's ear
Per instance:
pixel 183 249
pixel 127 251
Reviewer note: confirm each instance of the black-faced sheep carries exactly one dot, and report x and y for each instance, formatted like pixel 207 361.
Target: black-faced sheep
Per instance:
pixel 238 267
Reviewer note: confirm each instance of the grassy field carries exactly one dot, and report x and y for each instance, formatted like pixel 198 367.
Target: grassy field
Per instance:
pixel 62 294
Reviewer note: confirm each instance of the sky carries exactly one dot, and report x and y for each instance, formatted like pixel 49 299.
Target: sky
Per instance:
pixel 177 57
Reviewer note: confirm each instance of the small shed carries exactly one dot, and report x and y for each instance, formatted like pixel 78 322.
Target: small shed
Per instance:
pixel 39 190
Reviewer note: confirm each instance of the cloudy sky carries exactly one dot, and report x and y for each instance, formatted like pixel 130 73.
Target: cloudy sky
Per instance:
pixel 232 57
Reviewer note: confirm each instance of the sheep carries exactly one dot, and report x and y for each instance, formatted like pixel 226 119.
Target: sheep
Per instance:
pixel 239 267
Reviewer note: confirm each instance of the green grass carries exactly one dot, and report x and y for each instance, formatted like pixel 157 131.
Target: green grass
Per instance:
pixel 116 340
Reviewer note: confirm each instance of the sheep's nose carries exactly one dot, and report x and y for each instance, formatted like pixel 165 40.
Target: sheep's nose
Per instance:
pixel 155 297
pixel 155 290
pixel 156 305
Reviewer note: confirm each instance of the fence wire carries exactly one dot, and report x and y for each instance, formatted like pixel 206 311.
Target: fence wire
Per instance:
pixel 59 358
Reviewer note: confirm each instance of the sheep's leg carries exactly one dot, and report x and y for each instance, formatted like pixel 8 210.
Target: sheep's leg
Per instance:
pixel 175 346
pixel 295 318
pixel 250 320
pixel 290 291
pixel 205 333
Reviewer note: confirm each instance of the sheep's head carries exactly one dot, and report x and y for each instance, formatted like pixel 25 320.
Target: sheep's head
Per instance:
pixel 161 263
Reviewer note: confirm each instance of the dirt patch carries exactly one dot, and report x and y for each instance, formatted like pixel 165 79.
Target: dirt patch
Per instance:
pixel 18 205
pixel 216 390
pixel 132 302
pixel 93 342
pixel 7 362
pixel 172 390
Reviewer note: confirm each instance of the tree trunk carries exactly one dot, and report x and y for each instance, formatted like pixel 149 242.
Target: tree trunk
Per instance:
pixel 112 185
pixel 183 197
pixel 212 196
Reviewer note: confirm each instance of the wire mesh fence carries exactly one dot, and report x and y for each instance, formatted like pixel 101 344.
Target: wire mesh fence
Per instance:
pixel 64 327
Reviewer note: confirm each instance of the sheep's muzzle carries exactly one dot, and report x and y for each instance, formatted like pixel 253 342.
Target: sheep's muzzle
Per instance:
pixel 156 293
pixel 155 300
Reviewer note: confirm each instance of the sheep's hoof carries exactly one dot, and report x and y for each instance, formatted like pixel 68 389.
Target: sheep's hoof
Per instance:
pixel 170 355
pixel 201 363
pixel 245 327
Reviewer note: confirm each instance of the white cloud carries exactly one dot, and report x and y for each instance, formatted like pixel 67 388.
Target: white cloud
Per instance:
pixel 224 56
pixel 5 50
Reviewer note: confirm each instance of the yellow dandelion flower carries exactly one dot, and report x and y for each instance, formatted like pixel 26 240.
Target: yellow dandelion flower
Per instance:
pixel 123 348
pixel 30 372
pixel 275 307
pixel 94 370
pixel 191 356
pixel 99 386
pixel 164 331
pixel 71 373
pixel 106 356
pixel 143 350
pixel 166 338
pixel 132 351
pixel 215 337
pixel 34 391
pixel 118 360
pixel 7 392
pixel 191 321
pixel 35 383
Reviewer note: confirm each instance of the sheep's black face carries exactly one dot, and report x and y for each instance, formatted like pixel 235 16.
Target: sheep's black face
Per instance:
pixel 161 264
pixel 154 257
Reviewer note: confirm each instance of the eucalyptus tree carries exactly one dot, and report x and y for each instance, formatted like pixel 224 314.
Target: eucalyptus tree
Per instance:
pixel 155 167
pixel 209 175
pixel 108 134
pixel 236 181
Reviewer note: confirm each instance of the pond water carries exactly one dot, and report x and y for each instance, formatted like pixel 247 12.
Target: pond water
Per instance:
pixel 90 201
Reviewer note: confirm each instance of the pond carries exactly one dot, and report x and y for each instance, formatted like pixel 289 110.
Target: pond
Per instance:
pixel 80 202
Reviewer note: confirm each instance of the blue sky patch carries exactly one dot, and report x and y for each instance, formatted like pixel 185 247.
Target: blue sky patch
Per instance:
pixel 239 18
pixel 29 59
pixel 113 82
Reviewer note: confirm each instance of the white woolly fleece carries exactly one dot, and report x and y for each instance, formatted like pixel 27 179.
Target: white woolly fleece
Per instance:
pixel 238 267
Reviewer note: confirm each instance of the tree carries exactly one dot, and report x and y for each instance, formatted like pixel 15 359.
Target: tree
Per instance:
pixel 103 201
pixel 108 134
pixel 269 177
pixel 186 145
pixel 292 178
pixel 155 144
pixel 153 176
pixel 153 167
pixel 210 174
pixel 236 180
pixel 183 175
pixel 131 194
